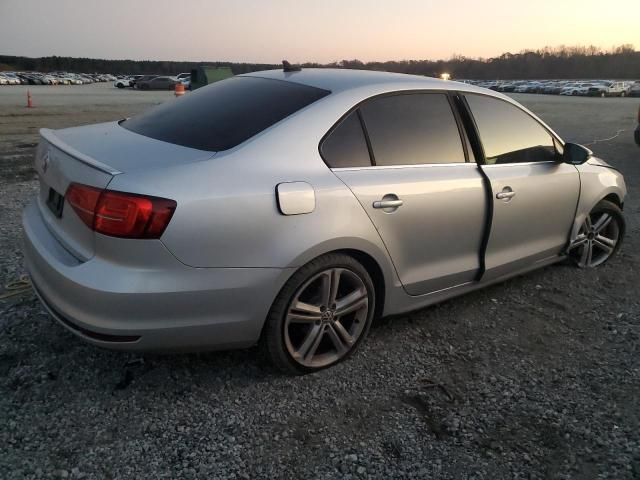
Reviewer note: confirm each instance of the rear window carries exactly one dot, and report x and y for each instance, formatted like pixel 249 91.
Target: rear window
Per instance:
pixel 224 114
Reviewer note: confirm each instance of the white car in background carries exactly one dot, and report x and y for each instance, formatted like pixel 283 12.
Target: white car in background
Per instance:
pixel 123 82
pixel 577 89
pixel 12 78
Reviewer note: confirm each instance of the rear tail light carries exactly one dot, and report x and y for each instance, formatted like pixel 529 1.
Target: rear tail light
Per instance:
pixel 120 214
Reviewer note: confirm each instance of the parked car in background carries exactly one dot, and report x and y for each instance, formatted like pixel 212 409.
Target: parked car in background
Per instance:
pixel 123 82
pixel 135 78
pixel 634 90
pixel 157 83
pixel 141 78
pixel 12 78
pixel 609 89
pixel 553 88
pixel 159 239
pixel 529 87
pixel 30 79
pixel 576 89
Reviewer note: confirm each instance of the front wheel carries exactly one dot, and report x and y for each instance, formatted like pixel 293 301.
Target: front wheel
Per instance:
pixel 599 237
pixel 320 316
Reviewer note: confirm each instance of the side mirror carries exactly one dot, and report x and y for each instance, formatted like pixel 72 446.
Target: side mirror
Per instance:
pixel 575 154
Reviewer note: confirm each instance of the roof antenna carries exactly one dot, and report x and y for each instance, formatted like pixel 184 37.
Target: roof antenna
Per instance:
pixel 287 67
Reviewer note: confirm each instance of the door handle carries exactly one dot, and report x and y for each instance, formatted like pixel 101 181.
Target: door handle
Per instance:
pixel 387 203
pixel 506 194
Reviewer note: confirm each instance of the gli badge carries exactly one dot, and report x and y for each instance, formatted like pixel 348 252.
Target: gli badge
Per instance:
pixel 45 162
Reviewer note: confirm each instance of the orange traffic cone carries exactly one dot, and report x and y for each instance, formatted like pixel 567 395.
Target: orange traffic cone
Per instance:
pixel 29 102
pixel 179 89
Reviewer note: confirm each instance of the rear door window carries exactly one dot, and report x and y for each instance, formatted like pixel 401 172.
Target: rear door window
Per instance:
pixel 412 129
pixel 346 145
pixel 224 114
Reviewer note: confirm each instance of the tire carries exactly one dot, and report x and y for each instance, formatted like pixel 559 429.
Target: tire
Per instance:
pixel 602 94
pixel 594 244
pixel 300 341
pixel 623 94
pixel 119 85
pixel 144 86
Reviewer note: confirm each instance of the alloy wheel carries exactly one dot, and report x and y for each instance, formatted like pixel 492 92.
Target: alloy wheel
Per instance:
pixel 596 241
pixel 327 316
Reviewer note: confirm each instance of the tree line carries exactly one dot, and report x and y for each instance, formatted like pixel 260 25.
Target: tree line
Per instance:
pixel 621 62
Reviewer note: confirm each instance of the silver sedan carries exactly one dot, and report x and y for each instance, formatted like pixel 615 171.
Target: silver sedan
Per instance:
pixel 290 208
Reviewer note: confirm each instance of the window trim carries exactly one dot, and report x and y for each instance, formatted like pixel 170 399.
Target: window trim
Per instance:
pixel 447 94
pixel 396 167
pixel 483 161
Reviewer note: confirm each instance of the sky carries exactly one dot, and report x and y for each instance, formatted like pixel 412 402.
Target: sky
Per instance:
pixel 322 31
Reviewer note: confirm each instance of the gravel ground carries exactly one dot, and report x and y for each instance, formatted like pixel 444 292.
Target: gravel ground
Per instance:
pixel 538 377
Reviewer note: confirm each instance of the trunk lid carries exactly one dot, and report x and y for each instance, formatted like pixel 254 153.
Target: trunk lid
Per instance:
pixel 93 155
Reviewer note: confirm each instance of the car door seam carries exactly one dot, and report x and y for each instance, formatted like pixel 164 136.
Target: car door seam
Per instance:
pixel 478 152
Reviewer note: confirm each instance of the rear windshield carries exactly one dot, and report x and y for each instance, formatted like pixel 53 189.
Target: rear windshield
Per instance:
pixel 224 114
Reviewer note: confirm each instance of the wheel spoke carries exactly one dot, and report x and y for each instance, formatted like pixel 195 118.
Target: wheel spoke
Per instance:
pixel 602 222
pixel 587 253
pixel 335 283
pixel 352 302
pixel 342 332
pixel 587 223
pixel 602 246
pixel 330 283
pixel 611 243
pixel 338 342
pixel 308 348
pixel 581 239
pixel 302 312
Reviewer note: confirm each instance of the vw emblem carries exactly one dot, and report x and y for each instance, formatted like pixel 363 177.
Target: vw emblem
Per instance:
pixel 45 162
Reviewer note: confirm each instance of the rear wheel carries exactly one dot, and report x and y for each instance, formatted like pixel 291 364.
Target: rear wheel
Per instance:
pixel 599 237
pixel 321 315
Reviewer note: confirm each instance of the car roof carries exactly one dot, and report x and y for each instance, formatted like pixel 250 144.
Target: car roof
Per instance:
pixel 358 85
pixel 339 80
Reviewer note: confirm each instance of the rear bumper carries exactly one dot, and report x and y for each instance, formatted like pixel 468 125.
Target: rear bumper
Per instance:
pixel 161 305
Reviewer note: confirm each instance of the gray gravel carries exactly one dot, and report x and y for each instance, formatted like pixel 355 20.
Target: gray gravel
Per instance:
pixel 537 377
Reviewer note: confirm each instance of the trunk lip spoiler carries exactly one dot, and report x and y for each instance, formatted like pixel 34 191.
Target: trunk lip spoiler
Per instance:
pixel 50 136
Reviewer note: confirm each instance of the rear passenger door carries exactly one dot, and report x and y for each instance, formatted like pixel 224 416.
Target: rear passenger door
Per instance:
pixel 534 193
pixel 403 157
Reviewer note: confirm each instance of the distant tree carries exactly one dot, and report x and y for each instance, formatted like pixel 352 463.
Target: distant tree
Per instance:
pixel 561 61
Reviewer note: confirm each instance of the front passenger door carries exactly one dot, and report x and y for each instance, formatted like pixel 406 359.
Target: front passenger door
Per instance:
pixel 534 194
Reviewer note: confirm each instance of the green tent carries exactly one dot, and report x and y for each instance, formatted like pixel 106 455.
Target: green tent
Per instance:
pixel 204 75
